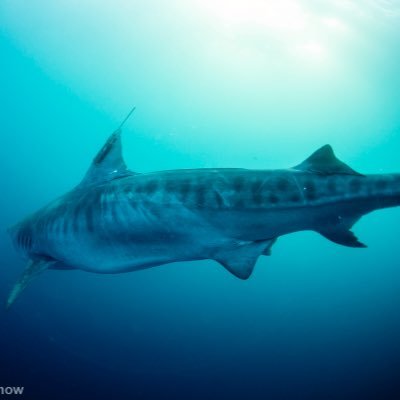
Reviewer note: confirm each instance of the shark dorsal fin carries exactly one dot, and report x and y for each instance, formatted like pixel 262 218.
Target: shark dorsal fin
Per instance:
pixel 324 161
pixel 109 163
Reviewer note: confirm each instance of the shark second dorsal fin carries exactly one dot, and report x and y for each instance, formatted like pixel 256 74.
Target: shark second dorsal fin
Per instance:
pixel 108 163
pixel 324 161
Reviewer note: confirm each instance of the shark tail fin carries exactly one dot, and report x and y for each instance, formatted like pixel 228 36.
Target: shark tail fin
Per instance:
pixel 32 270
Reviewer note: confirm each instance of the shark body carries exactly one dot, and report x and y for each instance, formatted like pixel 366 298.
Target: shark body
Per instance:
pixel 118 221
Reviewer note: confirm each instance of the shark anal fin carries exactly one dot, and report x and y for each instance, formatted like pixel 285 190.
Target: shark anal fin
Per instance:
pixel 241 259
pixel 32 270
pixel 267 250
pixel 342 236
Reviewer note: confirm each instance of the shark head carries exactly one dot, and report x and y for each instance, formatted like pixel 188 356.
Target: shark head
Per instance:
pixel 22 237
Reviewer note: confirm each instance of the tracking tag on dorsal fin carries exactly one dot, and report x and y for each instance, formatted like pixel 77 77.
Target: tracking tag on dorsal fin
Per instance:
pixel 324 161
pixel 241 259
pixel 108 163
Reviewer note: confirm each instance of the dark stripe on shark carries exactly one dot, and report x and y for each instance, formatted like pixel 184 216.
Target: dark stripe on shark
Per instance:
pixel 355 185
pixel 130 195
pixel 239 203
pixel 331 186
pixel 170 186
pixel 65 225
pixel 282 185
pixel 295 198
pixel 151 186
pixel 310 190
pixel 218 199
pixel 256 192
pixel 273 199
pixel 184 189
pixel 77 215
pixel 381 184
pixel 89 208
pixel 238 183
pixel 109 205
pixel 201 192
pixel 89 217
pixel 116 214
pixel 147 188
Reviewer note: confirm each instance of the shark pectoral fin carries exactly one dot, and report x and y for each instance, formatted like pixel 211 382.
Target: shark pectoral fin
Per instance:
pixel 241 259
pixel 33 269
pixel 342 236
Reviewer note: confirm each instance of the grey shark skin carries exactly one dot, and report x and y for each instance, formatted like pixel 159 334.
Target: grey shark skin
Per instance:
pixel 118 221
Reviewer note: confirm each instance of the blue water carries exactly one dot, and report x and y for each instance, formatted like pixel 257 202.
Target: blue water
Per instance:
pixel 254 84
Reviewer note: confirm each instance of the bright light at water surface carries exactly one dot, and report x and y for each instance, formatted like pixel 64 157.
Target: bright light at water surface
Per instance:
pixel 287 22
pixel 282 15
pixel 244 72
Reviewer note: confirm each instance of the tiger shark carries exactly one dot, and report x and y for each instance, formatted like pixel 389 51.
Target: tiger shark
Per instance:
pixel 116 220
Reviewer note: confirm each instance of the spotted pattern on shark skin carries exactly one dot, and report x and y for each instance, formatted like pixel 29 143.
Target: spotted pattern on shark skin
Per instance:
pixel 238 192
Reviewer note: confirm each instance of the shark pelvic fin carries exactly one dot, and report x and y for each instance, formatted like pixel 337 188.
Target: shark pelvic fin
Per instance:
pixel 324 161
pixel 32 270
pixel 241 259
pixel 108 163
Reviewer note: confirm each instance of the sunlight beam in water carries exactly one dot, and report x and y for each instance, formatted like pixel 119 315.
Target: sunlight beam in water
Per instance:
pixel 288 24
pixel 283 15
pixel 287 67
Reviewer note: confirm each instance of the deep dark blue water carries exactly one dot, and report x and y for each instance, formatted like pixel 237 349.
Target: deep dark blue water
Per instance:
pixel 255 84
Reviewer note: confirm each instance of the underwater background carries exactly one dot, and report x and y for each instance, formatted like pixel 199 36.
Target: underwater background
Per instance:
pixel 217 83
